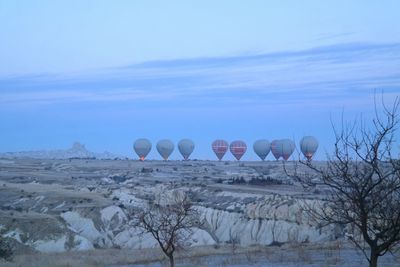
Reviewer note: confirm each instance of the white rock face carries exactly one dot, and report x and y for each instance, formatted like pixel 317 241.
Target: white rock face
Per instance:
pixel 115 231
pixel 126 197
pixel 133 238
pixel 81 243
pixel 201 237
pixel 263 220
pixel 57 245
pixel 85 228
pixel 164 197
pixel 16 234
pixel 276 219
pixel 270 218
pixel 113 217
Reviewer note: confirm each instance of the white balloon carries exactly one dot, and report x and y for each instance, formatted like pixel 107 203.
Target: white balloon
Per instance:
pixel 142 147
pixel 262 148
pixel 186 147
pixel 165 147
pixel 308 146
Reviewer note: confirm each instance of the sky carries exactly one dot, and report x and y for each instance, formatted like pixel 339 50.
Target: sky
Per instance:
pixel 108 72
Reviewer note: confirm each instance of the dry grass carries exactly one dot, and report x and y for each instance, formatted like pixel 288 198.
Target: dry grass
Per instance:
pixel 109 257
pixel 99 257
pixel 298 253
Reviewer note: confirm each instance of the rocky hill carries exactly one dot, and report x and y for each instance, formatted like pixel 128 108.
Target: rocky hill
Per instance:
pixel 77 150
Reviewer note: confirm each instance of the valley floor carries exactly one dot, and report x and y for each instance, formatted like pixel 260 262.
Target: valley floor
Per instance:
pixel 294 255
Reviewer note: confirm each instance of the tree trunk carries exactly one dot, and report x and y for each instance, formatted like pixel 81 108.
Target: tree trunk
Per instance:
pixel 171 260
pixel 373 261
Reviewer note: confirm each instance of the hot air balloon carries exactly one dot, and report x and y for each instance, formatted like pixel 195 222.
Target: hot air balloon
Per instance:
pixel 261 148
pixel 165 148
pixel 238 148
pixel 287 148
pixel 220 147
pixel 308 146
pixel 142 148
pixel 186 147
pixel 276 149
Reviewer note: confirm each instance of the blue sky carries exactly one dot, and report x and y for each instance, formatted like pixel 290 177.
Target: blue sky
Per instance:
pixel 106 73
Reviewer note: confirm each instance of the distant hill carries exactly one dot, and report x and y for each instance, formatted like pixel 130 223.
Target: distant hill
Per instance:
pixel 77 150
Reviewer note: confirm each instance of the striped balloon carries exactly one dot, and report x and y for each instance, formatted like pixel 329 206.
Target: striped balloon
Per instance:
pixel 220 147
pixel 238 148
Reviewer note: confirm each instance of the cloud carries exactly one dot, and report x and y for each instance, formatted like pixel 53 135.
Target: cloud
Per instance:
pixel 320 76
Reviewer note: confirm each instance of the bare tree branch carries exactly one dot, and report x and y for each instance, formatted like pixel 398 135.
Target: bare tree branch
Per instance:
pixel 170 221
pixel 363 182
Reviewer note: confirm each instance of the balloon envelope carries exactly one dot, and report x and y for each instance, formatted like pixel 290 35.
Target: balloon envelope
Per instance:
pixel 142 148
pixel 165 148
pixel 238 148
pixel 308 146
pixel 287 148
pixel 220 147
pixel 276 149
pixel 262 148
pixel 186 147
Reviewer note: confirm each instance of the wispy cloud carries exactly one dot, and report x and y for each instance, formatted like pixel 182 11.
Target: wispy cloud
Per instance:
pixel 320 75
pixel 330 36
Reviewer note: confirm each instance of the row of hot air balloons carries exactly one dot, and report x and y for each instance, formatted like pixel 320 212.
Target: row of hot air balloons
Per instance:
pixel 282 148
pixel 165 147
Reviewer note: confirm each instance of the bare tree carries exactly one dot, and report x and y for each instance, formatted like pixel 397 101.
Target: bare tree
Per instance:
pixel 363 183
pixel 170 223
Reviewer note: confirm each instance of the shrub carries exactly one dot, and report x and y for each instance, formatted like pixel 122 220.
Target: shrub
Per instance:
pixel 237 180
pixel 6 249
pixel 264 181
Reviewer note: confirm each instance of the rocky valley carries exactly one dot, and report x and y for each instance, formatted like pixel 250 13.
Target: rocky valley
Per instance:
pixel 64 205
